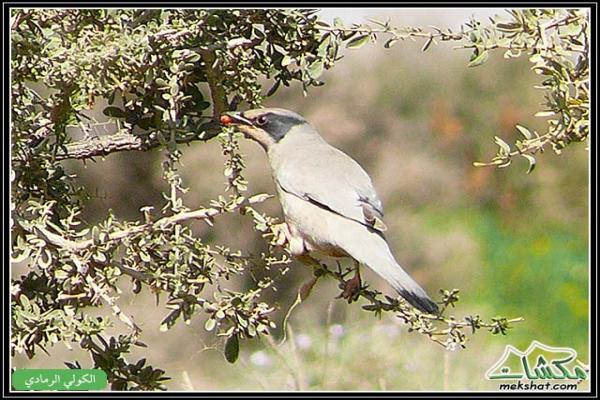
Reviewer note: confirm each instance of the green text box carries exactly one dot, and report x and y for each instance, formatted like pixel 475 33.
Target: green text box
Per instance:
pixel 59 379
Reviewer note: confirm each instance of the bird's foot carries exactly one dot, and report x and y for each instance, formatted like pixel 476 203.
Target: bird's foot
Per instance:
pixel 281 234
pixel 351 288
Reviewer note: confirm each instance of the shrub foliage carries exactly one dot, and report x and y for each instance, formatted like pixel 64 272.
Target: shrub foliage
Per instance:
pixel 162 78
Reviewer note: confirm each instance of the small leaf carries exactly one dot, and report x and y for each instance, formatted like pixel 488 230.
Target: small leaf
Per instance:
pixel 96 235
pixel 259 198
pixel 548 113
pixel 503 145
pixel 508 26
pixel 480 59
pixel 286 60
pixel 524 131
pixel 114 112
pixel 174 89
pixel 536 58
pixel 60 274
pixel 427 43
pixel 316 69
pixel 232 349
pixel 531 160
pixel 512 53
pixel 357 42
pixel 45 259
pixel 210 324
pixel 390 42
pixel 20 257
pixel 145 257
pixel 100 257
pixel 25 302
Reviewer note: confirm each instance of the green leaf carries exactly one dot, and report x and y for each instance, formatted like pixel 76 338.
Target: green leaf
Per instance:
pixel 542 114
pixel 45 259
pixel 210 324
pixel 100 257
pixel 20 257
pixel 203 105
pixel 160 82
pixel 232 349
pixel 316 69
pixel 427 43
pixel 508 26
pixel 60 274
pixel 524 131
pixel 357 42
pixel 114 112
pixel 25 302
pixel 96 235
pixel 390 42
pixel 531 160
pixel 479 59
pixel 503 145
pixel 259 198
pixel 286 60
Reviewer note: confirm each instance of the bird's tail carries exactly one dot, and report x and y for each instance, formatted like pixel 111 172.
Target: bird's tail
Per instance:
pixel 410 290
pixel 378 257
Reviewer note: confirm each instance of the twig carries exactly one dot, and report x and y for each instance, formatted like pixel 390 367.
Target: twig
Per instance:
pixel 116 309
pixel 205 213
pixel 124 141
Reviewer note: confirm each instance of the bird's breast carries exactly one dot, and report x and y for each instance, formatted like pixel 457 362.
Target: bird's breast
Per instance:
pixel 311 223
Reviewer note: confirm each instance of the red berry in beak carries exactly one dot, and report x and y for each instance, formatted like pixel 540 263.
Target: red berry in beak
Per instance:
pixel 226 120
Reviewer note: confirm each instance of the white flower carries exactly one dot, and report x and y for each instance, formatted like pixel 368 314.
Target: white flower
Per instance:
pixel 452 345
pixel 336 330
pixel 303 341
pixel 260 359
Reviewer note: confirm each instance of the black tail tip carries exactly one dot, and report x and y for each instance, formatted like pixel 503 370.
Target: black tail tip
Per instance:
pixel 424 304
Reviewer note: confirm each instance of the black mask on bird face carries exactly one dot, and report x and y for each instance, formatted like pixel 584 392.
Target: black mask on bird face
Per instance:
pixel 267 126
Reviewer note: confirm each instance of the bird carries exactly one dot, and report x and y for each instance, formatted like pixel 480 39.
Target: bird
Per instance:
pixel 329 203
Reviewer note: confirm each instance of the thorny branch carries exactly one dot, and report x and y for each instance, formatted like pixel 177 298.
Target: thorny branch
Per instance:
pixel 200 214
pixel 446 331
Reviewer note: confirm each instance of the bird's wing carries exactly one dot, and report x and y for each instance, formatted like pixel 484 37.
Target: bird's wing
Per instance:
pixel 329 178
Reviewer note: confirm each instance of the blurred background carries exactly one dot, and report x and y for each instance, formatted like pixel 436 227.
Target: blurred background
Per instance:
pixel 514 244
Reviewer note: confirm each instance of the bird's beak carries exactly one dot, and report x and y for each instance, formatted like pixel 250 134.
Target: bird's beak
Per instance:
pixel 247 127
pixel 234 118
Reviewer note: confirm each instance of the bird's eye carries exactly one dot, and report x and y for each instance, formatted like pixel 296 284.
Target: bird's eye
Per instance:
pixel 262 120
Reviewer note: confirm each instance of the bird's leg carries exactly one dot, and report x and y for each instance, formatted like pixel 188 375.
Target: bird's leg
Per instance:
pixel 351 288
pixel 281 234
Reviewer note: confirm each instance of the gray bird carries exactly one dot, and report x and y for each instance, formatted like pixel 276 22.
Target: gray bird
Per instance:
pixel 328 200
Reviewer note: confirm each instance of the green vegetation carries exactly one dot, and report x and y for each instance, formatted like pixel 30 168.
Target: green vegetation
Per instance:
pixel 110 256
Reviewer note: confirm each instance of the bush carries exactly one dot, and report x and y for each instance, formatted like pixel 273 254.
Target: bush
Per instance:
pixel 162 78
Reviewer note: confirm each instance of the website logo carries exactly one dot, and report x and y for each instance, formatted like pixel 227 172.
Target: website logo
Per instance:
pixel 537 365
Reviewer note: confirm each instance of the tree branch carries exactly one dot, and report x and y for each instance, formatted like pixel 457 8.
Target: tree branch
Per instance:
pixel 213 78
pixel 203 214
pixel 124 141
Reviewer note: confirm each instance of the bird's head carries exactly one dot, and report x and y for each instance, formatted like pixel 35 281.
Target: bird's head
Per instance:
pixel 267 126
